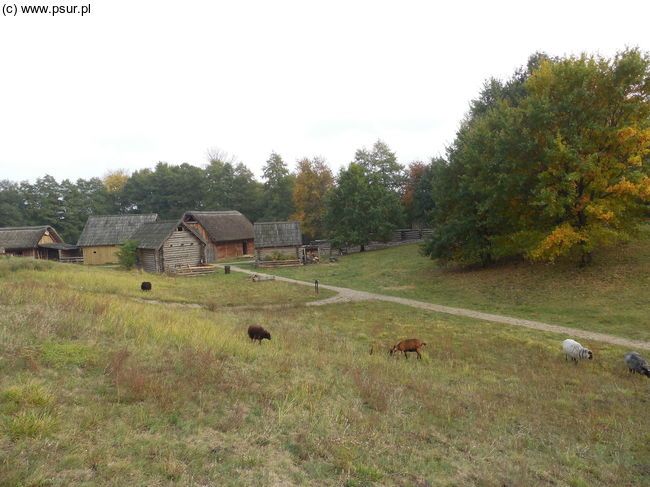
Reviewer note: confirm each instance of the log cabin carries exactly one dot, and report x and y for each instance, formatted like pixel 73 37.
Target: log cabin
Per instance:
pixel 102 236
pixel 38 242
pixel 168 246
pixel 227 234
pixel 277 241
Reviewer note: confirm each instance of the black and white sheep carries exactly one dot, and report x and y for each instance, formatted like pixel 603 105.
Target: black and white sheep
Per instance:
pixel 575 351
pixel 637 364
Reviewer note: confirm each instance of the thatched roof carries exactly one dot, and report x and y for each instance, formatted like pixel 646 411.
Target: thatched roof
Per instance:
pixel 222 226
pixel 25 237
pixel 113 229
pixel 277 234
pixel 59 246
pixel 152 235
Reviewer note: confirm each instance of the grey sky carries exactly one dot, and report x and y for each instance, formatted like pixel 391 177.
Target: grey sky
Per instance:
pixel 136 82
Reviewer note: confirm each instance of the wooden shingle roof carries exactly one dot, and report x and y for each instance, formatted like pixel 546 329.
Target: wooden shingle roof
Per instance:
pixel 152 235
pixel 25 237
pixel 112 229
pixel 277 234
pixel 222 226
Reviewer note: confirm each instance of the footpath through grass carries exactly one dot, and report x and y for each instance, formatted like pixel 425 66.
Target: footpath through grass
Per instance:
pixel 611 296
pixel 99 390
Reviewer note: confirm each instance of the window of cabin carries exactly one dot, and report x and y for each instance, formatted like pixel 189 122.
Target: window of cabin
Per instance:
pixel 179 228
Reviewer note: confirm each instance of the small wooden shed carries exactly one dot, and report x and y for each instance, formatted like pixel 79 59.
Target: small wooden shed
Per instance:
pixel 228 233
pixel 277 241
pixel 102 236
pixel 168 246
pixel 35 242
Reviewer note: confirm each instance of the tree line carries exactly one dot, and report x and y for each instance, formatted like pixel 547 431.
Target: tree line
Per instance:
pixel 222 184
pixel 551 162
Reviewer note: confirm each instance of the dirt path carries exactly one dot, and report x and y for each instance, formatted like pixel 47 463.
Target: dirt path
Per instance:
pixel 349 295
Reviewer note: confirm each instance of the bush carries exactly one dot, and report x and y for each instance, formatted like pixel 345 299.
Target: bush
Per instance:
pixel 127 255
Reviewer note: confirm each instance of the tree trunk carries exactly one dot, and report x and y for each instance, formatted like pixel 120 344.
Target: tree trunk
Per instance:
pixel 363 248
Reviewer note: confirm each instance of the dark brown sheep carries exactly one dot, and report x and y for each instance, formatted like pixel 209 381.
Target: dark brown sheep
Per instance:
pixel 256 332
pixel 410 345
pixel 145 286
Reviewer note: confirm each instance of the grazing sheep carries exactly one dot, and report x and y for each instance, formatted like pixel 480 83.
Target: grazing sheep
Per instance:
pixel 256 332
pixel 410 345
pixel 145 286
pixel 637 364
pixel 575 351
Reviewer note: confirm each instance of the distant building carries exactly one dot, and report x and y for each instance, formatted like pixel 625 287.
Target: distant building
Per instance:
pixel 103 235
pixel 277 241
pixel 228 234
pixel 38 242
pixel 168 246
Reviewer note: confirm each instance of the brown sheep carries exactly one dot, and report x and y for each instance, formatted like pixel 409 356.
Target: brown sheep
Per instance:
pixel 256 332
pixel 410 345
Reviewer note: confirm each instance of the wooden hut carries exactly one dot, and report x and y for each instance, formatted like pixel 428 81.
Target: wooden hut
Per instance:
pixel 102 236
pixel 168 246
pixel 38 242
pixel 278 241
pixel 228 233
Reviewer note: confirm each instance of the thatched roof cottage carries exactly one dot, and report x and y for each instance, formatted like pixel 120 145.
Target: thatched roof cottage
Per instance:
pixel 228 233
pixel 102 236
pixel 39 242
pixel 277 239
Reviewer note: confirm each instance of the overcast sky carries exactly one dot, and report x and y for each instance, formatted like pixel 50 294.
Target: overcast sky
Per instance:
pixel 138 81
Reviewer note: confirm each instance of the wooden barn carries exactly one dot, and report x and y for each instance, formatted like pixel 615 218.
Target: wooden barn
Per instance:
pixel 277 241
pixel 169 246
pixel 102 236
pixel 38 242
pixel 228 233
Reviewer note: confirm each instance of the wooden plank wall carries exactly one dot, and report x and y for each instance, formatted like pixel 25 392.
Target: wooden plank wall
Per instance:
pixel 148 259
pixel 182 248
pixel 105 254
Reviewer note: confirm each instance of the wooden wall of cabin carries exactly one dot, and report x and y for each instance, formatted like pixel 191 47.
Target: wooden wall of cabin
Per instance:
pixel 266 253
pixel 236 248
pixel 147 260
pixel 105 254
pixel 181 249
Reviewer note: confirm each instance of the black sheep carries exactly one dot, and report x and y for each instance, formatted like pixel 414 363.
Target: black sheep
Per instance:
pixel 256 332
pixel 637 364
pixel 145 286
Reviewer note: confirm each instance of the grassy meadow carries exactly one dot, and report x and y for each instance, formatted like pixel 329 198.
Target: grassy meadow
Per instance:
pixel 97 388
pixel 610 296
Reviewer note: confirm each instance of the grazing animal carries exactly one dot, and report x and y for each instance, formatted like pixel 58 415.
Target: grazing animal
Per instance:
pixel 637 364
pixel 575 351
pixel 410 345
pixel 256 332
pixel 145 286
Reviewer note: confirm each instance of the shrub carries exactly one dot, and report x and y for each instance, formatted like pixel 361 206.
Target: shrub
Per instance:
pixel 127 255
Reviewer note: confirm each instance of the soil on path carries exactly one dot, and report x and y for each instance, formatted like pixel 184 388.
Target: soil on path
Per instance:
pixel 350 295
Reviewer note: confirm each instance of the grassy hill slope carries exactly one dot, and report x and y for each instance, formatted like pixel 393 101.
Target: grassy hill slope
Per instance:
pixel 611 296
pixel 100 389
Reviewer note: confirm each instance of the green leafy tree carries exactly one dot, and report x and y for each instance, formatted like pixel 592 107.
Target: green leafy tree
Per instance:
pixel 313 182
pixel 232 186
pixel 381 164
pixel 553 162
pixel 278 190
pixel 127 255
pixel 359 210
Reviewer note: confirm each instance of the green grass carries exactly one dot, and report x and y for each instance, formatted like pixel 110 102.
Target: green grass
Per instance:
pixel 610 296
pixel 216 290
pixel 96 389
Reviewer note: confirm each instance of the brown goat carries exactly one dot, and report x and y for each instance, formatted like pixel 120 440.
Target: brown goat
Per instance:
pixel 410 345
pixel 256 332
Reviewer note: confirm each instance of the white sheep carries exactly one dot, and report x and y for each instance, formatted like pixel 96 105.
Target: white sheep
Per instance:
pixel 575 351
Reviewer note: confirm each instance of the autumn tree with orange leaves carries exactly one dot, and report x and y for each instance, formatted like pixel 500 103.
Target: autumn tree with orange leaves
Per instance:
pixel 554 162
pixel 313 181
